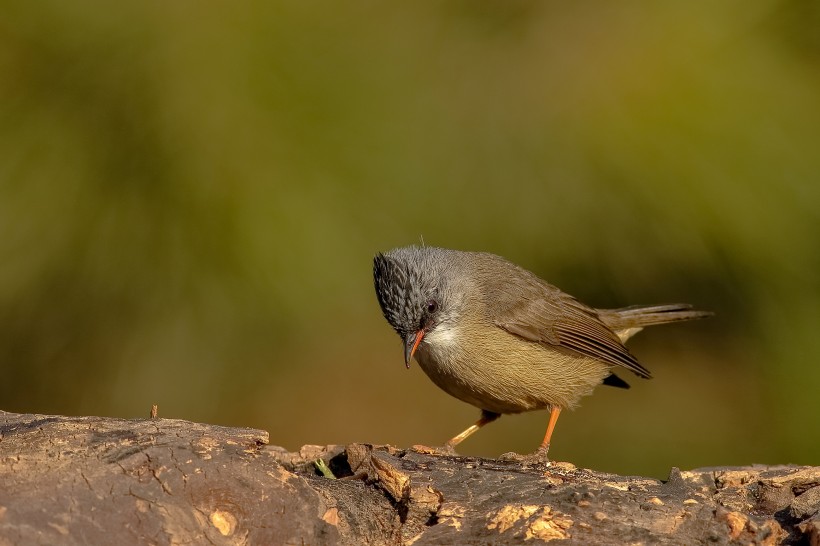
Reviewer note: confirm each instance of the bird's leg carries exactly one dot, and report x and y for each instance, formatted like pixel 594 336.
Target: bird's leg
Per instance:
pixel 449 447
pixel 544 448
pixel 486 417
pixel 539 455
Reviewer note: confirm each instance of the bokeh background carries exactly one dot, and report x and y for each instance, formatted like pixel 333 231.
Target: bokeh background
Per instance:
pixel 191 195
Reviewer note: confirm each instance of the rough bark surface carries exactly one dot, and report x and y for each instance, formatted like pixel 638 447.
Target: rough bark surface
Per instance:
pixel 93 480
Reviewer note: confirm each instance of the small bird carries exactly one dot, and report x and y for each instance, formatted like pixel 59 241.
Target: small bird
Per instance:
pixel 496 336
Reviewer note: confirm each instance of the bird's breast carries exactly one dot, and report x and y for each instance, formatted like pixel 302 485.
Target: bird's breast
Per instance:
pixel 499 372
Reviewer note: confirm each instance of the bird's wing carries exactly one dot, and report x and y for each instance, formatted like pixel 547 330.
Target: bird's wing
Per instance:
pixel 557 319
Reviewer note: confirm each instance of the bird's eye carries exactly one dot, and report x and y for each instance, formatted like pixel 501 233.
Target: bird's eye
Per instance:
pixel 432 306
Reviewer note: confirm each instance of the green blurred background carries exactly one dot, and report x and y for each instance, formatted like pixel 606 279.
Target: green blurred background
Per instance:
pixel 191 194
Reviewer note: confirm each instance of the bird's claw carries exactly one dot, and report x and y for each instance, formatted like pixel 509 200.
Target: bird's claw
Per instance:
pixel 537 457
pixel 446 449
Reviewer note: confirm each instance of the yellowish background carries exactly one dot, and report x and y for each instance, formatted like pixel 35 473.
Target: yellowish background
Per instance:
pixel 191 194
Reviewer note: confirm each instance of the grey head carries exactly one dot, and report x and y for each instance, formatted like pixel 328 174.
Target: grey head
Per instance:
pixel 417 291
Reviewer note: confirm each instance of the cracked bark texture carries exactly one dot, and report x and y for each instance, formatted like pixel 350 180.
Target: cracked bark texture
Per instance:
pixel 94 480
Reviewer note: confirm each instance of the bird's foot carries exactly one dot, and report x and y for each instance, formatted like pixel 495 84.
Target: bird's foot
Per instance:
pixel 446 450
pixel 538 457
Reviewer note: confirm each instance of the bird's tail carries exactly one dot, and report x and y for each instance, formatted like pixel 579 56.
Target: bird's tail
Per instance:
pixel 628 321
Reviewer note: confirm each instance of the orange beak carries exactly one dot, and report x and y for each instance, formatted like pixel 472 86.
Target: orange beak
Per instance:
pixel 411 343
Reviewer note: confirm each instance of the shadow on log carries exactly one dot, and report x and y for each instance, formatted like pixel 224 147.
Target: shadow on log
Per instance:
pixel 94 480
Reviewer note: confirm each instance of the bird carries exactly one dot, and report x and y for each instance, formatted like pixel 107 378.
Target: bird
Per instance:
pixel 497 336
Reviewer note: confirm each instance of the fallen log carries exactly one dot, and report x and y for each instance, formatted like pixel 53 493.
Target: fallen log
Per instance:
pixel 95 480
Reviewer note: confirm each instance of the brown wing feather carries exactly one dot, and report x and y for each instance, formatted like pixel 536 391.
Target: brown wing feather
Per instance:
pixel 557 319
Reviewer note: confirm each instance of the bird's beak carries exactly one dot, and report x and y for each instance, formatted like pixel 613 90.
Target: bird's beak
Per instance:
pixel 411 343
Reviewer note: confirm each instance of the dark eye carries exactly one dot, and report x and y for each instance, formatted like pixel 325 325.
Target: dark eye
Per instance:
pixel 432 306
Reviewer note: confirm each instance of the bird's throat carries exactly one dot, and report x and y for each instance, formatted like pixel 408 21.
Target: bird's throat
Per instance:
pixel 441 336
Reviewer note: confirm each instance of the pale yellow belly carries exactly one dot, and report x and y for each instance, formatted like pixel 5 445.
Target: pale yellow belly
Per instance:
pixel 505 374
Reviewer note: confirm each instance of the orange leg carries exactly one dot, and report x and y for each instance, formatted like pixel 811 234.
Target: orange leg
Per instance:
pixel 486 417
pixel 545 445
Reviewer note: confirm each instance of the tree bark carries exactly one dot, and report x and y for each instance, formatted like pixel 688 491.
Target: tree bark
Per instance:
pixel 94 480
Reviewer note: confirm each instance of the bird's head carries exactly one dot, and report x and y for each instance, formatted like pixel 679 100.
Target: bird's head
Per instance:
pixel 416 288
